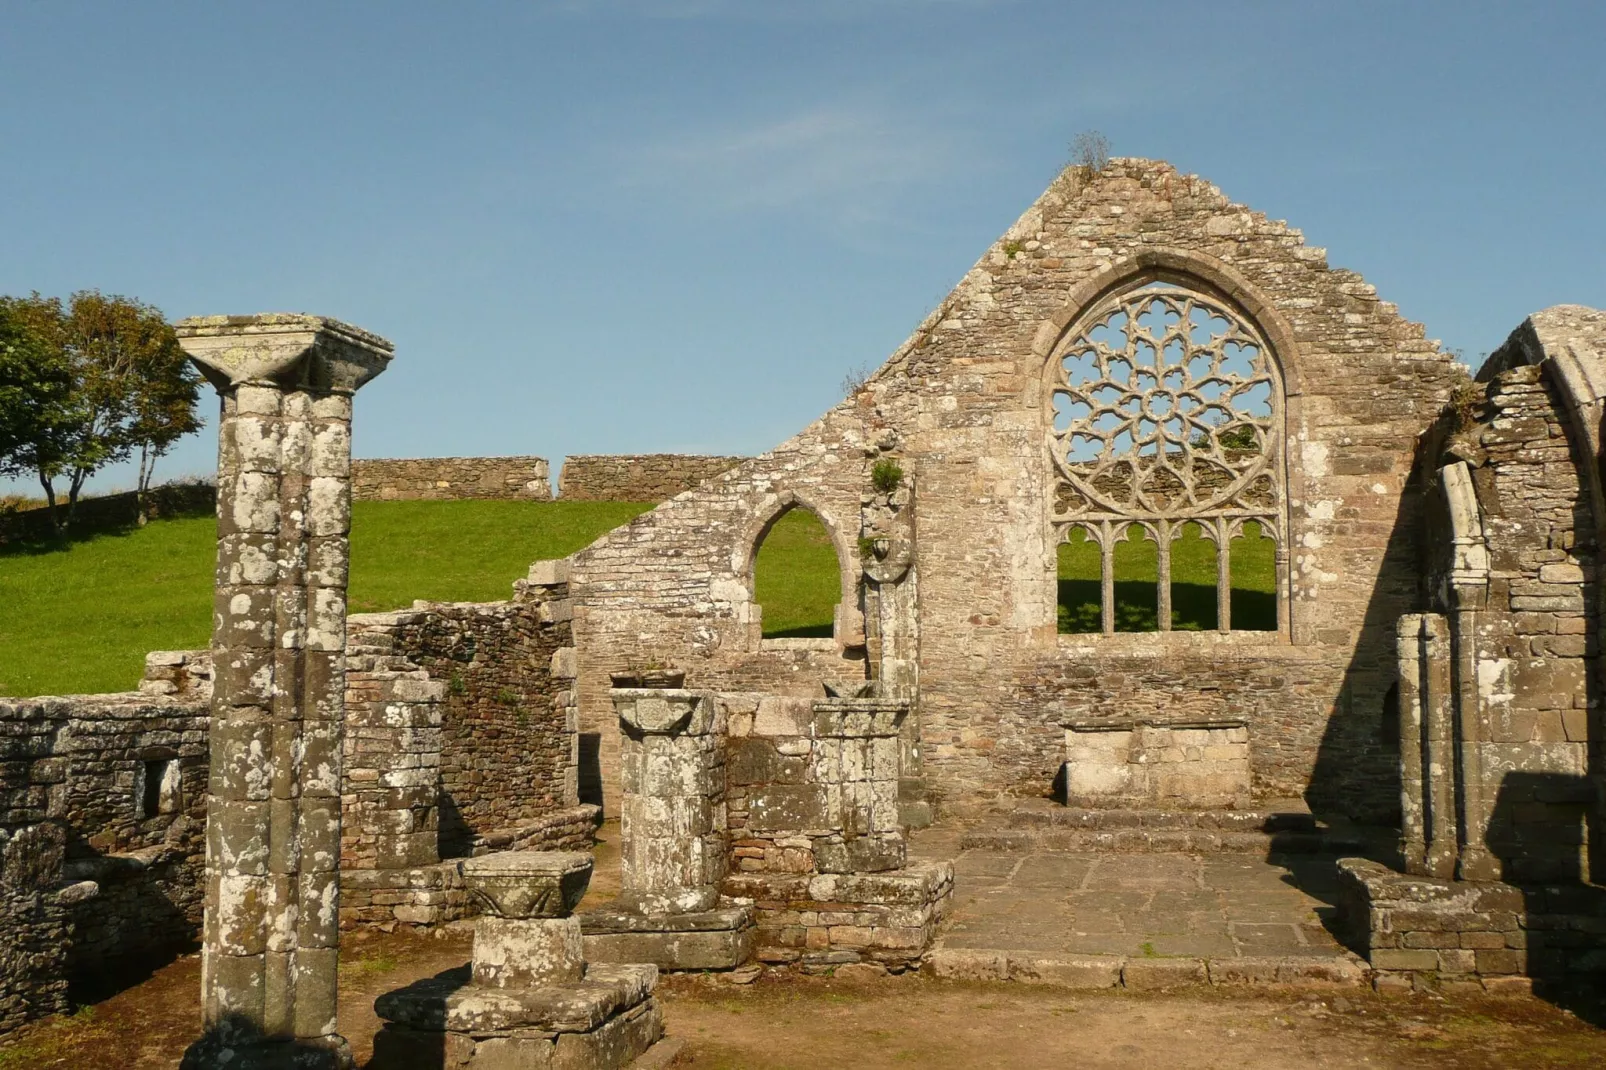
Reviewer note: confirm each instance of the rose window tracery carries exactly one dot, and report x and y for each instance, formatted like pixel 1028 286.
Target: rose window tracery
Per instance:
pixel 1167 415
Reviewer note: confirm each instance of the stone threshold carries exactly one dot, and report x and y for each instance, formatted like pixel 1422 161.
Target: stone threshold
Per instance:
pixel 1134 830
pixel 1142 973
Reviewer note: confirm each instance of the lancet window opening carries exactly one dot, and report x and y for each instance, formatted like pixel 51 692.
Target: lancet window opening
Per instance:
pixel 1168 413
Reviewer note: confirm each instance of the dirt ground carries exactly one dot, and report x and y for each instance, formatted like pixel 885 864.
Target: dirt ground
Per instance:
pixel 783 1022
pixel 789 1022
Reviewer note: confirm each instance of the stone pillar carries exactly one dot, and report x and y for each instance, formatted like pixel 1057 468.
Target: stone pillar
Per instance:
pixel 892 629
pixel 856 761
pixel 527 936
pixel 1439 713
pixel 672 815
pixel 278 648
pixel 1408 659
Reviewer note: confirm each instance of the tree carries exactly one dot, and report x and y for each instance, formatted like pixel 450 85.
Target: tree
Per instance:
pixel 131 388
pixel 35 383
pixel 166 389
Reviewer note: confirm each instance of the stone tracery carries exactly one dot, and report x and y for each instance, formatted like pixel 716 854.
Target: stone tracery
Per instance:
pixel 1167 412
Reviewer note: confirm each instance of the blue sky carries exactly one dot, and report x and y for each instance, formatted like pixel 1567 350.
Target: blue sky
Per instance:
pixel 628 227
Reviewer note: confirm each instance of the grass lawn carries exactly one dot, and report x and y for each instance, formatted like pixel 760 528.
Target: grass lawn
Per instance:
pixel 1193 583
pixel 81 618
pixel 797 578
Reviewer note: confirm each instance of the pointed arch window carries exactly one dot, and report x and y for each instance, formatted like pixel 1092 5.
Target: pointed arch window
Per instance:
pixel 1168 429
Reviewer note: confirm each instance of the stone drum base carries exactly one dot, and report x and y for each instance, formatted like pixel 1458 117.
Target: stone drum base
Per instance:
pixel 831 919
pixel 718 939
pixel 444 1022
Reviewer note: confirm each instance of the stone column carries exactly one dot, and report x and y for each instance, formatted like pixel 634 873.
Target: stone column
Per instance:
pixel 278 649
pixel 1439 714
pixel 672 816
pixel 892 628
pixel 1408 659
pixel 856 760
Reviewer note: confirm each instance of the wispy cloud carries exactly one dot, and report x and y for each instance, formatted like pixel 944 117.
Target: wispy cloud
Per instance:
pixel 849 164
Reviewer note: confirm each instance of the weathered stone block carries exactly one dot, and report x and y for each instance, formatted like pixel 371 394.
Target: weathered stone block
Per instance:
pixel 786 807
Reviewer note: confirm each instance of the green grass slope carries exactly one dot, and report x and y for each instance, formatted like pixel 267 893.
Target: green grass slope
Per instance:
pixel 1193 583
pixel 796 578
pixel 80 618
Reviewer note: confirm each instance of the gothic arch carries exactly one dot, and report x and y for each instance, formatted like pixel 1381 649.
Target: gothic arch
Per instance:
pixel 770 510
pixel 1180 418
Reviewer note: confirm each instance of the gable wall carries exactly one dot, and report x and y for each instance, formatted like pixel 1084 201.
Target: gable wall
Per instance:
pixel 962 406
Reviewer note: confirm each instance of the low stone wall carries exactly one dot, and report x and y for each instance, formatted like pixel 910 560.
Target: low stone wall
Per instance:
pixel 451 479
pixel 112 510
pixel 1422 931
pixel 429 895
pixel 645 477
pixel 36 924
pixel 507 751
pixel 821 921
pixel 102 840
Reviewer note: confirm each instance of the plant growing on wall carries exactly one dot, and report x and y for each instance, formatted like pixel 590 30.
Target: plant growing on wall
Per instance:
pixel 1091 149
pixel 886 475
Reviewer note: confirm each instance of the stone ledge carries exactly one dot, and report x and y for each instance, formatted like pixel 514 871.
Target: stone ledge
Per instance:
pixel 719 939
pixel 606 920
pixel 1116 971
pixel 447 1002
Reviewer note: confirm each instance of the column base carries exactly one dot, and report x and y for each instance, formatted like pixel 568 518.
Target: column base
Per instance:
pixel 221 1048
pixel 718 939
pixel 605 1022
pixel 1477 864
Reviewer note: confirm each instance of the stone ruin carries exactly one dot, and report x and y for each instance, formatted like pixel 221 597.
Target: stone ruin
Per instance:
pixel 530 999
pixel 1138 366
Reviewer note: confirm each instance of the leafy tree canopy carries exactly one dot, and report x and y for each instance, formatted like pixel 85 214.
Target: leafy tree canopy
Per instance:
pixel 129 387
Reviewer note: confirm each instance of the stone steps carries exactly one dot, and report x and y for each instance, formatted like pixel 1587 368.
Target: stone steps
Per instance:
pixel 1142 973
pixel 1279 830
pixel 1068 817
pixel 1151 840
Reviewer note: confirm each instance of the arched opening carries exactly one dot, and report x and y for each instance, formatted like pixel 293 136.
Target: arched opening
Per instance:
pixel 1167 407
pixel 797 578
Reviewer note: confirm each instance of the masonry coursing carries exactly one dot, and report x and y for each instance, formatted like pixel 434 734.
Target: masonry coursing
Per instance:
pixel 451 479
pixel 99 870
pixel 647 477
pixel 962 408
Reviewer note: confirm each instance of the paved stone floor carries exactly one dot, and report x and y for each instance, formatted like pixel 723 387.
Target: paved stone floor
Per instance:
pixel 1211 906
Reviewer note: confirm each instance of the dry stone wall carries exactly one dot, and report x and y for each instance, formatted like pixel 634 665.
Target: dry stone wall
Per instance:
pixel 103 797
pixel 451 479
pixel 962 408
pixel 33 974
pixel 507 750
pixel 102 840
pixel 1423 932
pixel 646 477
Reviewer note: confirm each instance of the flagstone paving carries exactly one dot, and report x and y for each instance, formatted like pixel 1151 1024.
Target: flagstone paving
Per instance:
pixel 1065 904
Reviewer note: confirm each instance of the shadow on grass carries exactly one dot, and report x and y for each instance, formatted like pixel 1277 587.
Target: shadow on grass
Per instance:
pixel 29 534
pixel 802 631
pixel 1193 607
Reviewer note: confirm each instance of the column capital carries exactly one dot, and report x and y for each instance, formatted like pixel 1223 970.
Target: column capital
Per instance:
pixel 283 349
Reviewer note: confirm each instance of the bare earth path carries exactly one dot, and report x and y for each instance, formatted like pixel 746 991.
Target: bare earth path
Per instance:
pixel 910 1021
pixel 785 1022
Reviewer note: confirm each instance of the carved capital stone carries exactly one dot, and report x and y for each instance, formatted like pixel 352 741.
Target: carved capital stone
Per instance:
pixel 529 884
pixel 284 349
pixel 652 711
